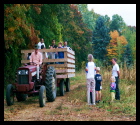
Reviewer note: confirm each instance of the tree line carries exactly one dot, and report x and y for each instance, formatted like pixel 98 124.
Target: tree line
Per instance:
pixel 86 32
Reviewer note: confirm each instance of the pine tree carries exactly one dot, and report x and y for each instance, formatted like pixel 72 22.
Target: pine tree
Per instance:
pixel 101 39
pixel 127 56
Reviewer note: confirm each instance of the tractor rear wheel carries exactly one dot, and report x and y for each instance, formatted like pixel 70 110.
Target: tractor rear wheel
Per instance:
pixel 10 95
pixel 61 87
pixel 21 97
pixel 67 83
pixel 51 84
pixel 42 96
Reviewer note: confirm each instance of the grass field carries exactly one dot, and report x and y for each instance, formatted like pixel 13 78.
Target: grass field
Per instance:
pixel 72 106
pixel 127 85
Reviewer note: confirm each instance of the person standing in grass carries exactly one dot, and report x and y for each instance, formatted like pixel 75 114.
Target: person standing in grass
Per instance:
pixel 90 75
pixel 98 80
pixel 116 74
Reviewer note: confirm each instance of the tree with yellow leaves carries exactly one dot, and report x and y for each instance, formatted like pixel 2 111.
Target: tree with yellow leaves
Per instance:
pixel 115 47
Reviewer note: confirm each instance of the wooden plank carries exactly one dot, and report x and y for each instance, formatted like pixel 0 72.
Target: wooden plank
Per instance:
pixel 27 51
pixel 71 56
pixel 70 70
pixel 58 65
pixel 70 51
pixel 70 60
pixel 61 70
pixel 62 65
pixel 46 50
pixel 25 61
pixel 65 56
pixel 50 50
pixel 71 65
pixel 64 70
pixel 54 60
pixel 61 76
pixel 70 75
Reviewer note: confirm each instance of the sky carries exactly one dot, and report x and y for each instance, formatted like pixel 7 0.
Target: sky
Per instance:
pixel 126 11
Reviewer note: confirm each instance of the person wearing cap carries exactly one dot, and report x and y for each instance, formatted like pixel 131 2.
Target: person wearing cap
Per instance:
pixel 98 80
pixel 36 59
pixel 90 76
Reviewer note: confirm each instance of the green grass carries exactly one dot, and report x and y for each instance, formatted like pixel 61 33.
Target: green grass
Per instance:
pixel 76 99
pixel 127 104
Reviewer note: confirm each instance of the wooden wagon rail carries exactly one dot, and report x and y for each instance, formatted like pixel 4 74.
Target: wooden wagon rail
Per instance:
pixel 65 70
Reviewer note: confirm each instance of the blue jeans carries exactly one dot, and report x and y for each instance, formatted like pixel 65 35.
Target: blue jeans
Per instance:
pixel 56 57
pixel 117 91
pixel 61 62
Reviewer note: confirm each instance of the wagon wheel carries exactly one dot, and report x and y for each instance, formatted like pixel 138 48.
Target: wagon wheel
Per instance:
pixel 67 83
pixel 61 87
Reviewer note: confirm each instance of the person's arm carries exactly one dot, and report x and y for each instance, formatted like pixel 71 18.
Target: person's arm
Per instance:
pixel 31 59
pixel 86 69
pixel 118 74
pixel 46 55
pixel 118 71
pixel 40 61
pixel 44 45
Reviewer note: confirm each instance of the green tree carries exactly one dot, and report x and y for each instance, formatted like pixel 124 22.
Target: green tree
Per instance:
pixel 117 23
pixel 130 33
pixel 89 17
pixel 101 39
pixel 127 56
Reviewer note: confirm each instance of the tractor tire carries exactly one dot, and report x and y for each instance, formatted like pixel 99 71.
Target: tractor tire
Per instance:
pixel 67 83
pixel 21 97
pixel 61 88
pixel 51 84
pixel 42 96
pixel 9 95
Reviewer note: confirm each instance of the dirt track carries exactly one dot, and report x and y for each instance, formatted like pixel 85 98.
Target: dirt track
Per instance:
pixel 62 109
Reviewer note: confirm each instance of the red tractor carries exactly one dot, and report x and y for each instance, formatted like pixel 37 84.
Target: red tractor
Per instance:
pixel 26 82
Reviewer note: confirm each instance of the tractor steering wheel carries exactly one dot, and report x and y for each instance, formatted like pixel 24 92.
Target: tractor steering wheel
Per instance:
pixel 33 63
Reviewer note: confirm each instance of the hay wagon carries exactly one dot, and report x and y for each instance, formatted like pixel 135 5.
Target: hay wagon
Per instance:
pixel 63 71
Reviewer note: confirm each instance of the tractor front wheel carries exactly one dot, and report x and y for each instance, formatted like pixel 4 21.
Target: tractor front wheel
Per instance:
pixel 10 95
pixel 42 96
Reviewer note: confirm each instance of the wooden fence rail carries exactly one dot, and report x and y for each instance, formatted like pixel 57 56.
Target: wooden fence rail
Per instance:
pixel 65 70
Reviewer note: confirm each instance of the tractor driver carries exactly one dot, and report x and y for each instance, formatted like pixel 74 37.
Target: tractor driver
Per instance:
pixel 36 59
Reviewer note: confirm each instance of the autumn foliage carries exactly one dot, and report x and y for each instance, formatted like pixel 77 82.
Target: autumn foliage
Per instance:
pixel 115 47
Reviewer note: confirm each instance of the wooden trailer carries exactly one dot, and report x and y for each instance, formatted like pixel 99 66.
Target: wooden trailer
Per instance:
pixel 63 71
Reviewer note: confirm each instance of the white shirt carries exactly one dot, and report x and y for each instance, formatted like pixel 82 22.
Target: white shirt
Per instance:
pixel 67 47
pixel 115 69
pixel 45 55
pixel 91 70
pixel 39 44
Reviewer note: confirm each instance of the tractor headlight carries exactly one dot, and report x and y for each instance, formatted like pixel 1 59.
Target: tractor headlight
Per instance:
pixel 19 72
pixel 23 72
pixel 26 72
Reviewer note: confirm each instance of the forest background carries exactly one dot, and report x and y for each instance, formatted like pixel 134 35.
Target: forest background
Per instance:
pixel 86 32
